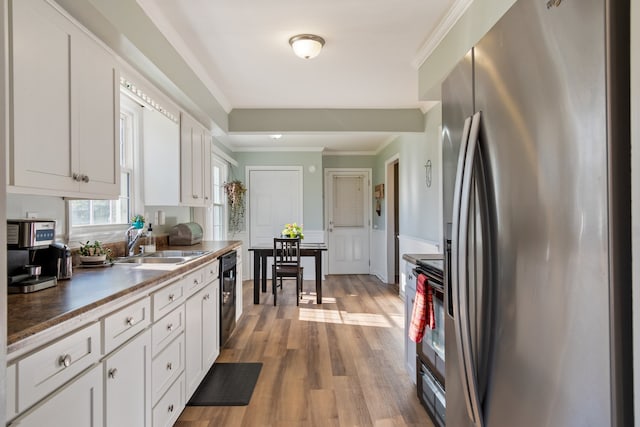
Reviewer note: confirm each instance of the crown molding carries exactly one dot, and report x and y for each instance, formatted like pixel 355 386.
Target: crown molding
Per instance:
pixel 434 39
pixel 278 149
pixel 183 49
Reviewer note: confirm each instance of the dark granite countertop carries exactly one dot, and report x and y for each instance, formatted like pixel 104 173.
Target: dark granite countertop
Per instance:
pixel 90 288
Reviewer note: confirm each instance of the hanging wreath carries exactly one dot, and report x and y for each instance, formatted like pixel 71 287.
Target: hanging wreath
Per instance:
pixel 235 191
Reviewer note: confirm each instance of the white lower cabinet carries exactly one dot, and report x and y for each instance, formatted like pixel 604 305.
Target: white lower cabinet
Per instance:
pixel 78 404
pixel 166 367
pixel 202 334
pixel 12 404
pixel 127 384
pixel 169 407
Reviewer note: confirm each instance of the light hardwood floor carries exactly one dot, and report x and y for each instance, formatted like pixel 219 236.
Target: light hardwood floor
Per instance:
pixel 335 364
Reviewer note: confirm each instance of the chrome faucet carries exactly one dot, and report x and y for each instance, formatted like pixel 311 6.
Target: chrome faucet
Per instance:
pixel 131 241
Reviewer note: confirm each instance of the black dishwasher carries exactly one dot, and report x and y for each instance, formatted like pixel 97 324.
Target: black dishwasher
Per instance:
pixel 227 295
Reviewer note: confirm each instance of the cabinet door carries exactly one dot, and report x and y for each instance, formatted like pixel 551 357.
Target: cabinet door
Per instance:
pixel 197 166
pixel 96 114
pixel 210 324
pixel 80 404
pixel 186 131
pixel 161 158
pixel 41 143
pixel 193 343
pixel 206 169
pixel 127 377
pixel 202 335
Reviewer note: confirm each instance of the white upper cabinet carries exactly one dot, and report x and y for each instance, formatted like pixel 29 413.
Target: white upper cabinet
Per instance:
pixel 161 158
pixel 65 107
pixel 195 163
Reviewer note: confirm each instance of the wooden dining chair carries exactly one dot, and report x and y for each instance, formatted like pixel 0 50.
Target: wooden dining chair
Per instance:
pixel 286 264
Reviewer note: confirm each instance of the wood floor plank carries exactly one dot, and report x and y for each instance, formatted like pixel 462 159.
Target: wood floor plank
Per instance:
pixel 335 364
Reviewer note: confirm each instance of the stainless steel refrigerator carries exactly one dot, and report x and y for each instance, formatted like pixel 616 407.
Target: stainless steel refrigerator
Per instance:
pixel 536 172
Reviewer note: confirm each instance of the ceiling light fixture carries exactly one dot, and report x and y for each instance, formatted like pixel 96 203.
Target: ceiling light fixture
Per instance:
pixel 276 136
pixel 306 46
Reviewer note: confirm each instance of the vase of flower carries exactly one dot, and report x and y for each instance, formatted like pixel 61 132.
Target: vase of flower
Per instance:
pixel 292 231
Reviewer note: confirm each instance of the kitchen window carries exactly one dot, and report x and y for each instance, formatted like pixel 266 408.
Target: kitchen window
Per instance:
pixel 88 216
pixel 219 172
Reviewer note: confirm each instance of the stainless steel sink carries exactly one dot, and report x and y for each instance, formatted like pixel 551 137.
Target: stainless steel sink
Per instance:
pixel 161 257
pixel 173 254
pixel 137 259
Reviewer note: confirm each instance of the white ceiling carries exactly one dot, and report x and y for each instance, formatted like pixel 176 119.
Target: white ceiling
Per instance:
pixel 240 51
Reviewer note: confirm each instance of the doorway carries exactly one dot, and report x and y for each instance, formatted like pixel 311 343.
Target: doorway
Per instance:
pixel 275 199
pixel 392 214
pixel 348 213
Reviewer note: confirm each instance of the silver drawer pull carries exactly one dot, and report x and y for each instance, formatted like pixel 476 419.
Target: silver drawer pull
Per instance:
pixel 170 408
pixel 196 282
pixel 65 360
pixel 172 297
pixel 130 321
pixel 169 366
pixel 113 372
pixel 170 327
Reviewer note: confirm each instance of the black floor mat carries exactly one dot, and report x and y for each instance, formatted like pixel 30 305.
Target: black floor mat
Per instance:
pixel 227 384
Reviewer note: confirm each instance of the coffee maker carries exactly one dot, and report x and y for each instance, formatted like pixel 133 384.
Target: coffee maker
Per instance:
pixel 25 238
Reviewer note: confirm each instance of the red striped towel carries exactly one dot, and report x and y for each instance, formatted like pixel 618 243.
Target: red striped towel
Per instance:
pixel 422 314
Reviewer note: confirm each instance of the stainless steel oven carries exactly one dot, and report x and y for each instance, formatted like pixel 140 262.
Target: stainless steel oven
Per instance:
pixel 430 358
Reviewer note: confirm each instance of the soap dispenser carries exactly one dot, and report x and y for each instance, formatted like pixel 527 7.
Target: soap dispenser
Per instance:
pixel 150 241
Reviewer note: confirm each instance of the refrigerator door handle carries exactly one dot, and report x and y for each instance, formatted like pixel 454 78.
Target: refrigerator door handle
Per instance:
pixel 470 373
pixel 455 250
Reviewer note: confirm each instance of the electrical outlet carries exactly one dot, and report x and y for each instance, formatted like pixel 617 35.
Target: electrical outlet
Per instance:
pixel 32 215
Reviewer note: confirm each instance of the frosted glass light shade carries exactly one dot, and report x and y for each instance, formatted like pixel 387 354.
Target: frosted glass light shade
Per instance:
pixel 306 46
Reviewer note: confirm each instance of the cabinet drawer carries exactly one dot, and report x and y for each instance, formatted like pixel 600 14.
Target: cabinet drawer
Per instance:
pixel 12 409
pixel 167 298
pixel 125 324
pixel 166 367
pixel 211 271
pixel 166 412
pixel 77 404
pixel 166 329
pixel 194 281
pixel 41 373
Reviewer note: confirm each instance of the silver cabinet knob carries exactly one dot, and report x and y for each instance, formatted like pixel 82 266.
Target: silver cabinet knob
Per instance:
pixel 65 360
pixel 196 282
pixel 112 372
pixel 172 297
pixel 85 178
pixel 170 408
pixel 206 297
pixel 75 177
pixel 130 321
pixel 169 366
pixel 170 327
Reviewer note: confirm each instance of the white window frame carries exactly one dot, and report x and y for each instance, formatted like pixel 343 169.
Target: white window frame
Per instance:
pixel 114 232
pixel 224 173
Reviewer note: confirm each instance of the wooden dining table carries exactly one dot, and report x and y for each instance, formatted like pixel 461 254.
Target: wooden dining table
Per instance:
pixel 262 253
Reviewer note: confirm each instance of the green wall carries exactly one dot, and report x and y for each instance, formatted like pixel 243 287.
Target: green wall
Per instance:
pixel 348 161
pixel 313 200
pixel 420 205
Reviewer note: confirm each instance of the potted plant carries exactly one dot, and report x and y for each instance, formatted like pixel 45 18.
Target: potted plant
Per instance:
pixel 93 253
pixel 137 221
pixel 293 230
pixel 235 191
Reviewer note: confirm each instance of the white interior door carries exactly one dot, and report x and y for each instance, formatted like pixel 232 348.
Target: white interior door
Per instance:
pixel 275 199
pixel 348 220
